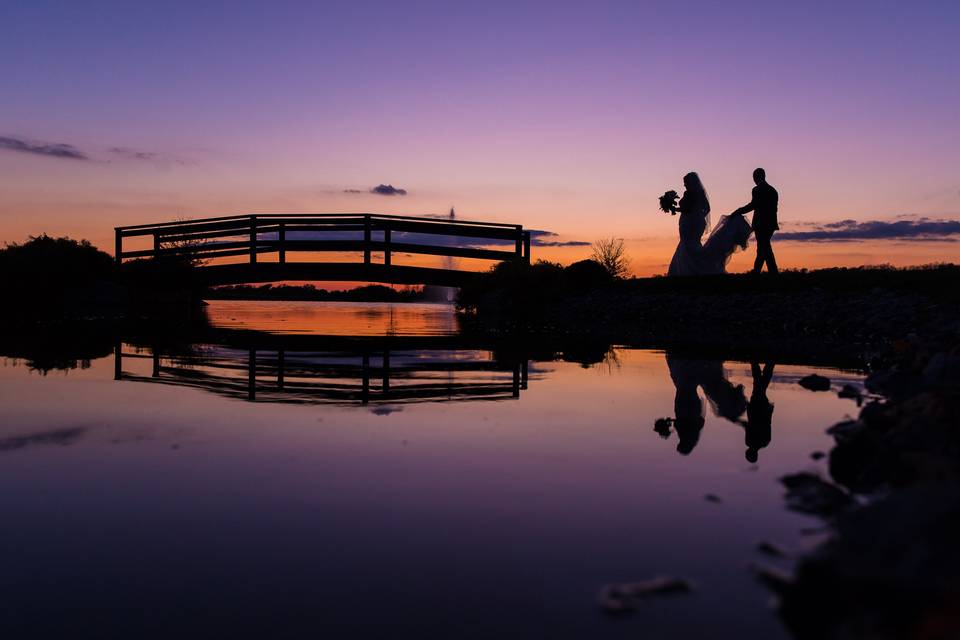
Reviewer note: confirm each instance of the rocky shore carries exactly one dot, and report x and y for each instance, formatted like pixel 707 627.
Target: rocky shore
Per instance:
pixel 890 567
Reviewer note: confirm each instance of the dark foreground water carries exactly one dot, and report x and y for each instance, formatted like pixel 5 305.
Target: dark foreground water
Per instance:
pixel 305 486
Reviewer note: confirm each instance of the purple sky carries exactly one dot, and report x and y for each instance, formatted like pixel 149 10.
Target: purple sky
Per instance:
pixel 565 116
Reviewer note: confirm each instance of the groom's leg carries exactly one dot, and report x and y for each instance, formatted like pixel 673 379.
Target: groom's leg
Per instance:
pixel 763 246
pixel 771 259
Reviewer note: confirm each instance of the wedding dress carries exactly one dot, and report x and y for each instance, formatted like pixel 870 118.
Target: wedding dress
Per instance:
pixel 693 258
pixel 726 399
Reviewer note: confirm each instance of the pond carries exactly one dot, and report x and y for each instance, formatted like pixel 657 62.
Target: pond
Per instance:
pixel 394 479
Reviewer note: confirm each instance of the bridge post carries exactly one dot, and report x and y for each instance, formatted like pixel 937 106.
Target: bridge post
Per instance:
pixel 118 360
pixel 518 249
pixel 526 247
pixel 386 371
pixel 252 375
pixel 366 239
pixel 386 248
pixel 156 246
pixel 118 246
pixel 253 239
pixel 280 368
pixel 282 237
pixel 365 388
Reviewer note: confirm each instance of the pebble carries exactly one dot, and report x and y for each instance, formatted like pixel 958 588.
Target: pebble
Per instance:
pixel 770 549
pixel 809 493
pixel 625 597
pixel 815 382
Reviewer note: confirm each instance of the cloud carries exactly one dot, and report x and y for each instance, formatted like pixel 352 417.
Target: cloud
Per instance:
pixel 381 190
pixel 916 229
pixel 70 152
pixel 126 153
pixel 560 243
pixel 49 149
pixel 388 190
pixel 133 154
pixel 537 239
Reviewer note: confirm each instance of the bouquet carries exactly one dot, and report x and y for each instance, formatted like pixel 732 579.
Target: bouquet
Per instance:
pixel 668 202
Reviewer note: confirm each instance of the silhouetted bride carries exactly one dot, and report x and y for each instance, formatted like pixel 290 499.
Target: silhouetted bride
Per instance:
pixel 692 257
pixel 726 399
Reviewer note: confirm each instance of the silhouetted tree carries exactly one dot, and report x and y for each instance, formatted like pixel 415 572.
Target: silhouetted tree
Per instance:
pixel 184 245
pixel 612 255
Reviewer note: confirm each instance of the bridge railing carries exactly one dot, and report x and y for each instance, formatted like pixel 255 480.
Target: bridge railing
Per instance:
pixel 255 235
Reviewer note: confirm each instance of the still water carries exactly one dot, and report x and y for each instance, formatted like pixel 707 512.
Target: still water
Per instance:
pixel 404 484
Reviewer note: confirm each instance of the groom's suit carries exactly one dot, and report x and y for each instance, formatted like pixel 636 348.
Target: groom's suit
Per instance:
pixel 764 206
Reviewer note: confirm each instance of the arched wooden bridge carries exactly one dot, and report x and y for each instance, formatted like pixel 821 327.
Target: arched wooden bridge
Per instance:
pixel 258 248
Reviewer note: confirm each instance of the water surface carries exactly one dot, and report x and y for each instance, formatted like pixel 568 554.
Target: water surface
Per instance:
pixel 334 318
pixel 472 495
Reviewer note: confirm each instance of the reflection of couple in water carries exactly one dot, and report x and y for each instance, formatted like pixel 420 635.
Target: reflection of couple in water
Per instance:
pixel 727 400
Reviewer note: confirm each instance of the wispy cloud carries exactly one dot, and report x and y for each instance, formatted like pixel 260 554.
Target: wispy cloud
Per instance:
pixel 380 190
pixel 49 149
pixel 133 154
pixel 917 229
pixel 137 155
pixel 70 152
pixel 540 238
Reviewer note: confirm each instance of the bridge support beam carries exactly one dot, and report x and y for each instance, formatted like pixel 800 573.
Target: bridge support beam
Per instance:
pixel 253 239
pixel 366 239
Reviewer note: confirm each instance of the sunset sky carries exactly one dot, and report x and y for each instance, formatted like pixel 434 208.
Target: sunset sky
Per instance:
pixel 571 117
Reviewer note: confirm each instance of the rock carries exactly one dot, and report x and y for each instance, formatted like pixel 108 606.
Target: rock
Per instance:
pixel 815 382
pixel 847 430
pixel 809 493
pixel 776 580
pixel 625 597
pixel 892 383
pixel 770 549
pixel 849 391
pixel 943 370
pixel 711 497
pixel 889 571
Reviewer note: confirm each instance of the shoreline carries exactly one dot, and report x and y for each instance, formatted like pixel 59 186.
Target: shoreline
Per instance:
pixel 851 316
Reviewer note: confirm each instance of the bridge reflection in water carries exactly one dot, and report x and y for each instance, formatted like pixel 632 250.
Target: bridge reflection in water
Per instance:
pixel 330 370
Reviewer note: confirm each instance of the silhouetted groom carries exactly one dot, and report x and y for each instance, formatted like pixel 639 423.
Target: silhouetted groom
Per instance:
pixel 764 207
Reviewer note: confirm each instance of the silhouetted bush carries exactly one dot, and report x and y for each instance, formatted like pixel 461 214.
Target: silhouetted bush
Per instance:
pixel 517 288
pixel 160 275
pixel 586 275
pixel 54 277
pixel 55 263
